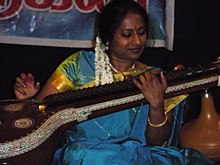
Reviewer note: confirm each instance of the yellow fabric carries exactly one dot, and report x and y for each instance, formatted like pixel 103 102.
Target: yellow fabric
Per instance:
pixel 170 103
pixel 117 77
pixel 120 76
pixel 61 82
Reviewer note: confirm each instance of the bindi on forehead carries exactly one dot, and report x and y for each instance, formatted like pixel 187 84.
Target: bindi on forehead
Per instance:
pixel 132 21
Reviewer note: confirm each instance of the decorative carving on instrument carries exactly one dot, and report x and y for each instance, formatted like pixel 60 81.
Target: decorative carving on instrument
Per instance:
pixel 13 107
pixel 26 125
pixel 23 123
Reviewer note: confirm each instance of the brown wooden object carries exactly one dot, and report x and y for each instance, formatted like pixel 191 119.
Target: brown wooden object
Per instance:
pixel 30 130
pixel 203 133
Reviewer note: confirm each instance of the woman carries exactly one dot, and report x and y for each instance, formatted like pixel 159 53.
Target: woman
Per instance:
pixel 123 137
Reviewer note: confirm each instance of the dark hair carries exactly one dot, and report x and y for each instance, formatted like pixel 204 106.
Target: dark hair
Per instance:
pixel 113 14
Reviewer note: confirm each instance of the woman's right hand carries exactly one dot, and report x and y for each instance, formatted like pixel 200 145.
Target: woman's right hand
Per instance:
pixel 25 87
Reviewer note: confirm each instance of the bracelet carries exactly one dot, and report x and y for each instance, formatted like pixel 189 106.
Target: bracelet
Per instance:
pixel 158 125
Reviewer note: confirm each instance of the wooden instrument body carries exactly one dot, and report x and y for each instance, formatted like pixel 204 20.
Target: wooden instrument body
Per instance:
pixel 29 135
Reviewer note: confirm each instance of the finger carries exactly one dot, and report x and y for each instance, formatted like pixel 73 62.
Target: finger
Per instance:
pixel 20 82
pixel 152 79
pixel 151 76
pixel 30 78
pixel 19 89
pixel 17 86
pixel 38 85
pixel 137 83
pixel 23 85
pixel 146 80
pixel 147 76
pixel 142 79
pixel 23 76
pixel 163 79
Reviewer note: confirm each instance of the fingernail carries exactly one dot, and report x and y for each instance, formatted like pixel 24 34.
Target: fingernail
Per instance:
pixel 23 86
pixel 31 79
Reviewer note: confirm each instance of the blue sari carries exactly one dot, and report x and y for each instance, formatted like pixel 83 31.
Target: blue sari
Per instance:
pixel 117 138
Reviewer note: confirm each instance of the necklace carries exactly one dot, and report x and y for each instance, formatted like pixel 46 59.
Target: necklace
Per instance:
pixel 117 71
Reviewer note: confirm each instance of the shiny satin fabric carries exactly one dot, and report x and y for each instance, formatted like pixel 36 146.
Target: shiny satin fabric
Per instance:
pixel 117 138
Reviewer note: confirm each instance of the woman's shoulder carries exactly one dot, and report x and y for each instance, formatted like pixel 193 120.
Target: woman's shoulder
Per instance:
pixel 78 57
pixel 81 55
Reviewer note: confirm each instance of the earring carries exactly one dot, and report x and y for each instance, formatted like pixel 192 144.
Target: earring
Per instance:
pixel 107 46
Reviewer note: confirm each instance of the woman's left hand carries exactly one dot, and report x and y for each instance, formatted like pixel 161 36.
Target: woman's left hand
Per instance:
pixel 25 87
pixel 152 88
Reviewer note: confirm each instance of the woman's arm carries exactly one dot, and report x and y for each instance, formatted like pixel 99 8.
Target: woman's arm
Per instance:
pixel 25 88
pixel 46 90
pixel 153 90
pixel 158 135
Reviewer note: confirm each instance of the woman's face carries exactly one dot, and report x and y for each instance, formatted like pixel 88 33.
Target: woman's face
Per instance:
pixel 129 40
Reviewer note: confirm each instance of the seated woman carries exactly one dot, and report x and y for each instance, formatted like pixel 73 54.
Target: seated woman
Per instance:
pixel 130 137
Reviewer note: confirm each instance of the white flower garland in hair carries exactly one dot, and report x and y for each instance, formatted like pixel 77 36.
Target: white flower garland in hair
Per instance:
pixel 103 74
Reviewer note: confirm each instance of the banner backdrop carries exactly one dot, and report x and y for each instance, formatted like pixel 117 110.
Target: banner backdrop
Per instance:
pixel 71 23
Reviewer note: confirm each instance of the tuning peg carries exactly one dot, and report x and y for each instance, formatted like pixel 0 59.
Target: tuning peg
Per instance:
pixel 217 64
pixel 179 67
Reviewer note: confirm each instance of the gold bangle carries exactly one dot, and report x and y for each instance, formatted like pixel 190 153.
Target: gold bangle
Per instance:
pixel 158 125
